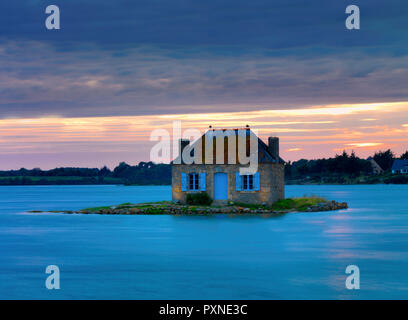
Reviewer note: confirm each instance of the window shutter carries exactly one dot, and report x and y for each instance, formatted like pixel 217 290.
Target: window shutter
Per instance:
pixel 183 182
pixel 257 181
pixel 237 181
pixel 202 181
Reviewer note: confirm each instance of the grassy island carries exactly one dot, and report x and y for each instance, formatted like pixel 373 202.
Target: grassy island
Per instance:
pixel 302 204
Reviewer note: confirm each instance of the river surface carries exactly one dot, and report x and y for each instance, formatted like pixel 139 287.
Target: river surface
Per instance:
pixel 294 256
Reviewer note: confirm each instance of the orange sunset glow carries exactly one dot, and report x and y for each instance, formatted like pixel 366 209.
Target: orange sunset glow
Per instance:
pixel 318 131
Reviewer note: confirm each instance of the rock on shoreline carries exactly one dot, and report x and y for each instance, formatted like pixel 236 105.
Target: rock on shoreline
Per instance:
pixel 327 206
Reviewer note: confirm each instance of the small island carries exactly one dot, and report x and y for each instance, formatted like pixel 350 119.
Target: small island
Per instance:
pixel 302 204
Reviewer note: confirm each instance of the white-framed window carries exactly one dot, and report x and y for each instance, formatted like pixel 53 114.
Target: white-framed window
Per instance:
pixel 193 181
pixel 247 182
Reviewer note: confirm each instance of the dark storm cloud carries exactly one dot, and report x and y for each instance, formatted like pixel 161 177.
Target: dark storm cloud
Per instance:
pixel 147 57
pixel 260 23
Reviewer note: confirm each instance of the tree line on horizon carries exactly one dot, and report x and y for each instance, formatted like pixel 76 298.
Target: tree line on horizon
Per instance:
pixel 340 169
pixel 144 173
pixel 343 168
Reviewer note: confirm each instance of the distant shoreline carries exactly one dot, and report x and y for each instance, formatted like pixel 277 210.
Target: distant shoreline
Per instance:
pixel 343 169
pixel 78 182
pixel 145 184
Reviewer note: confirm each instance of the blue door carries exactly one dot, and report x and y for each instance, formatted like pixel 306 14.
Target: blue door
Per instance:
pixel 220 186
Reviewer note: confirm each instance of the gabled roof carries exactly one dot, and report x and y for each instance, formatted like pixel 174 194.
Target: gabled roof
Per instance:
pixel 264 155
pixel 400 164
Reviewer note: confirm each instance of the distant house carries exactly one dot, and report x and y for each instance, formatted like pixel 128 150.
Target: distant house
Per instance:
pixel 375 166
pixel 400 166
pixel 223 182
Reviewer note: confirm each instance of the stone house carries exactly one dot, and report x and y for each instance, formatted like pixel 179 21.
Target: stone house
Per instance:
pixel 222 180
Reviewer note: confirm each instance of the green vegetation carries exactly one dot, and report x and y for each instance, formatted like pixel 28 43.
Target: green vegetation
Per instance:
pixel 123 205
pixel 288 204
pixel 95 209
pixel 128 205
pixel 297 204
pixel 199 198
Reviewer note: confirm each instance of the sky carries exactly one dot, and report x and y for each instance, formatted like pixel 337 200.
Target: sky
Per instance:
pixel 91 93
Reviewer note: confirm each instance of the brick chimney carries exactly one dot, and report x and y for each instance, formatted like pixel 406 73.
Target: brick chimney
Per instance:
pixel 273 147
pixel 183 143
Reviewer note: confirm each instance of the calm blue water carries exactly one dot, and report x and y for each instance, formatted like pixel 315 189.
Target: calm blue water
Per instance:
pixel 296 256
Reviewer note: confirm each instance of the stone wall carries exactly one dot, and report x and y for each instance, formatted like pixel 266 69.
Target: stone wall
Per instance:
pixel 271 182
